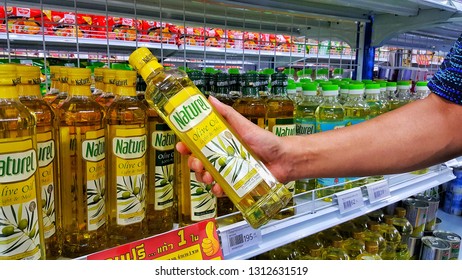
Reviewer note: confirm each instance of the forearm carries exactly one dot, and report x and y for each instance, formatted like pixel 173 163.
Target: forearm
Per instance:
pixel 423 133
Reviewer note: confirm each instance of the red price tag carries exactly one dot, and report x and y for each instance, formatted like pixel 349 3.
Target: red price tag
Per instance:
pixel 195 242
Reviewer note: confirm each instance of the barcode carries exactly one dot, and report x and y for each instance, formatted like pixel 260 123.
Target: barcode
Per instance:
pixel 349 204
pixel 236 240
pixel 379 193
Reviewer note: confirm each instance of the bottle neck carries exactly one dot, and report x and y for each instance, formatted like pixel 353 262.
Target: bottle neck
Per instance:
pixel 75 90
pixel 372 96
pixel 8 92
pixel 250 91
pixel 125 91
pixel 329 99
pixel 29 90
pixel 278 91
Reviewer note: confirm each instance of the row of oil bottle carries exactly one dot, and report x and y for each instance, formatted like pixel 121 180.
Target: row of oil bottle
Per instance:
pixel 105 173
pixel 384 234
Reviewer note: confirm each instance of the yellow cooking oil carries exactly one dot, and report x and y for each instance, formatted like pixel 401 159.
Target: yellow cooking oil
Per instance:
pixel 99 84
pixel 107 96
pixel 329 115
pixel 196 202
pixel 280 121
pixel 55 84
pixel 244 178
pixel 160 195
pixel 28 88
pixel 82 135
pixel 63 88
pixel 357 110
pixel 21 226
pixel 126 162
pixel 177 178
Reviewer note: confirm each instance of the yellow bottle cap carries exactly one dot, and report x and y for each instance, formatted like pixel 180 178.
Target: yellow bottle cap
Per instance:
pixel 54 71
pixel 8 75
pixel 63 74
pixel 108 76
pixel 143 61
pixel 79 76
pixel 28 75
pixel 125 78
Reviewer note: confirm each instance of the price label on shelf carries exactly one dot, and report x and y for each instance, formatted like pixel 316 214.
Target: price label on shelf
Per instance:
pixel 239 238
pixel 350 200
pixel 195 242
pixel 378 190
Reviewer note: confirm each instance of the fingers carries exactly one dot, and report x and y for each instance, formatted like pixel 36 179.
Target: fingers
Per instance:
pixel 182 148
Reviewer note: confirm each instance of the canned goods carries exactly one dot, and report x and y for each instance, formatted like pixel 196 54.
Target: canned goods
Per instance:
pixel 433 205
pixel 434 248
pixel 414 245
pixel 416 213
pixel 454 241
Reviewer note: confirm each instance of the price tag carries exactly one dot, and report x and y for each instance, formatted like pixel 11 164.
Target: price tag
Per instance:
pixel 195 242
pixel 239 238
pixel 350 200
pixel 377 191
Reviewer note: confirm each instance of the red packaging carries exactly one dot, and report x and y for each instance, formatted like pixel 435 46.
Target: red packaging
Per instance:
pixel 194 36
pixel 251 40
pixel 99 27
pixel 151 31
pixel 64 24
pixel 125 29
pixel 21 20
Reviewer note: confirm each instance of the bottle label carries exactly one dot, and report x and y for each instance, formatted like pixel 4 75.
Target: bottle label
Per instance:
pixel 163 144
pixel 305 126
pixel 203 202
pixel 19 224
pixel 284 127
pixel 325 126
pixel 129 147
pixel 46 161
pixel 93 152
pixel 349 122
pixel 193 115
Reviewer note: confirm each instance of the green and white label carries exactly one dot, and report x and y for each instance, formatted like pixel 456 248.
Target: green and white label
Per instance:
pixel 203 202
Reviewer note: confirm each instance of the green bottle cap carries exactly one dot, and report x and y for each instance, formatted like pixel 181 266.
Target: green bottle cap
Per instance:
pixel 209 70
pixel 391 84
pixel 422 83
pixel 305 72
pixel 403 83
pixel 291 86
pixel 328 87
pixel 305 80
pixel 309 87
pixel 373 86
pixel 338 71
pixel 356 86
pixel 367 81
pixel 233 71
pixel 268 71
pixel 289 71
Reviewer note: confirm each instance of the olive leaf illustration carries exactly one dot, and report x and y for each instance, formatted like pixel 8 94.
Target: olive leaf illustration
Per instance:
pixel 130 192
pixel 95 196
pixel 164 181
pixel 201 192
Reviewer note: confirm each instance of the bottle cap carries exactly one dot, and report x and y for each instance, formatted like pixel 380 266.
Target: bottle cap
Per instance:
pixel 108 76
pixel 400 212
pixel 79 76
pixel 421 83
pixel 125 78
pixel 28 75
pixel 143 61
pixel 356 88
pixel 305 72
pixel 289 71
pixel 373 88
pixel 329 90
pixel 367 81
pixel 338 71
pixel 305 80
pixel 309 88
pixel 8 74
pixel 291 86
pixel 233 71
pixel 54 70
pixel 403 84
pixel 268 71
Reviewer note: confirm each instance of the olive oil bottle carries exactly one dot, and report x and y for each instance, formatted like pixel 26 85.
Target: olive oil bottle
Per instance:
pixel 329 115
pixel 126 162
pixel 29 94
pixel 107 96
pixel 63 89
pixel 244 178
pixel 54 87
pixel 305 123
pixel 356 111
pixel 280 121
pixel 82 125
pixel 221 89
pixel 160 211
pixel 21 217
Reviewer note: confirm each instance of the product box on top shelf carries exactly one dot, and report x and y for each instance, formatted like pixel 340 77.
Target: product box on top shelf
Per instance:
pixel 118 28
pixel 155 31
pixel 64 24
pixel 251 40
pixel 22 20
pixel 192 36
pixel 215 37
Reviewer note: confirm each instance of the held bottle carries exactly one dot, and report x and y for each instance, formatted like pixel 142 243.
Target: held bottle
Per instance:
pixel 126 158
pixel 21 227
pixel 244 178
pixel 29 94
pixel 82 125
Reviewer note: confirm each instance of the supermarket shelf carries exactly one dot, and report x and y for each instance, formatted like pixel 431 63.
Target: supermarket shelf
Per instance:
pixel 92 45
pixel 316 217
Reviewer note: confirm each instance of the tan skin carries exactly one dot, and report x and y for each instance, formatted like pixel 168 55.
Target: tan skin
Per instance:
pixel 418 135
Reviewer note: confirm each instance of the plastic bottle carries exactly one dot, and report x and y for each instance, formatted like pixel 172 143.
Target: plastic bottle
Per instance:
pixel 338 73
pixel 108 95
pixel 54 87
pixel 393 101
pixel 28 88
pixel 305 74
pixel 99 84
pixel 372 234
pixel 404 227
pixel 329 115
pixel 82 134
pixel 234 83
pixel 222 90
pixel 421 90
pixel 63 88
pixel 403 92
pixel 256 193
pixel 322 74
pixel 371 252
pixel 21 227
pixel 127 146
